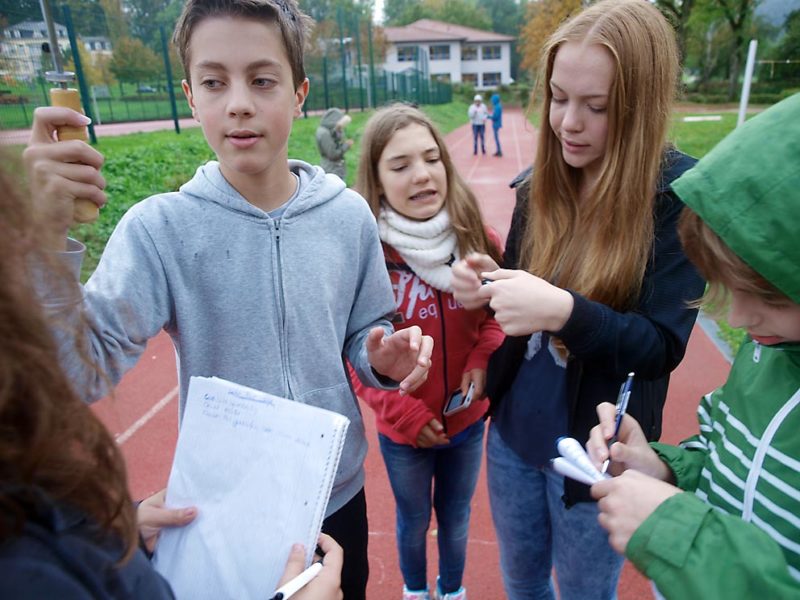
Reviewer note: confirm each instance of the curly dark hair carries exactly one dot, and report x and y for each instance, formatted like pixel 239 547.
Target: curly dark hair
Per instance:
pixel 50 441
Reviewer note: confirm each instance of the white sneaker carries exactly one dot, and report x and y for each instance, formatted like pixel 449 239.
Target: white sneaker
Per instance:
pixel 417 595
pixel 459 594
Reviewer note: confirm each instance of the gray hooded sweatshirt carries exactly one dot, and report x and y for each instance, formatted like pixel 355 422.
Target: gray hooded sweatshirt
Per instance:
pixel 274 304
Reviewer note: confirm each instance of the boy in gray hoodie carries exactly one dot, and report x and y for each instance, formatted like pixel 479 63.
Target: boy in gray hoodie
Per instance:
pixel 263 270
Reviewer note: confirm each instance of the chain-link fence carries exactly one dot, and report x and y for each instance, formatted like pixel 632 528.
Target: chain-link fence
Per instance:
pixel 124 77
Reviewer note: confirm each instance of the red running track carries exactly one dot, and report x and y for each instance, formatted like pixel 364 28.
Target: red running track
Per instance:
pixel 143 411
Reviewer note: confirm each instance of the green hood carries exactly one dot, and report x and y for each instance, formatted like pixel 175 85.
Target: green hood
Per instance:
pixel 747 190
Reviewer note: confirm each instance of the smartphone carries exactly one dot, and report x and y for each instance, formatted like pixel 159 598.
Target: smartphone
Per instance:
pixel 459 401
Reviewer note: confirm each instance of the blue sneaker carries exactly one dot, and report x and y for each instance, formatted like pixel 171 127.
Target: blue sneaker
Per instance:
pixel 459 594
pixel 416 595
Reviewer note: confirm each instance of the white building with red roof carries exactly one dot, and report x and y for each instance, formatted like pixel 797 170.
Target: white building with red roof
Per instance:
pixel 450 53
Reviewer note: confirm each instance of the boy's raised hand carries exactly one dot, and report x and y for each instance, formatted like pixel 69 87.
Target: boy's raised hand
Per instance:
pixel 404 356
pixel 466 280
pixel 60 172
pixel 326 585
pixel 626 501
pixel 630 451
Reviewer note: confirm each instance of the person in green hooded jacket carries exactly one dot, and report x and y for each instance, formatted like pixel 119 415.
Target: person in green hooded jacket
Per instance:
pixel 719 515
pixel 331 141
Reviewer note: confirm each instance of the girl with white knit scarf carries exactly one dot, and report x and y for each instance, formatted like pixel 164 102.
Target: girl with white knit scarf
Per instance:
pixel 428 219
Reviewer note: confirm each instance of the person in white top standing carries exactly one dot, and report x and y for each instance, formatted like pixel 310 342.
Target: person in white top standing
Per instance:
pixel 478 114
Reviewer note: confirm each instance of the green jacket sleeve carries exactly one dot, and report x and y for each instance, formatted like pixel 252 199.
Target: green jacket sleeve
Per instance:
pixel 690 550
pixel 685 464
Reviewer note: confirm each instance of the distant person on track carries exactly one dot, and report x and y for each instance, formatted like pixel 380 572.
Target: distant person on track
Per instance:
pixel 332 143
pixel 478 115
pixel 68 527
pixel 596 285
pixel 736 527
pixel 497 122
pixel 427 219
pixel 263 270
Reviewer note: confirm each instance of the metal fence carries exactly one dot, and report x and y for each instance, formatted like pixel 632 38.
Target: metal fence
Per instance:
pixel 344 70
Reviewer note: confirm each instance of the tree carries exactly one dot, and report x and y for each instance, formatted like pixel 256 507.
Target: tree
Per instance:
pixel 789 47
pixel 394 11
pixel 506 17
pixel 16 11
pixel 134 62
pixel 738 14
pixel 678 12
pixel 542 19
pixel 458 12
pixel 115 20
pixel 90 71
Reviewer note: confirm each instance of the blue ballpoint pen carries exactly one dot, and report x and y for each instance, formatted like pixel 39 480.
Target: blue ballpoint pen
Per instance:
pixel 621 408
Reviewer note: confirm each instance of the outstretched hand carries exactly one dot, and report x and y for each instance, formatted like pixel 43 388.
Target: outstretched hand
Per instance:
pixel 404 356
pixel 326 585
pixel 60 173
pixel 626 501
pixel 152 516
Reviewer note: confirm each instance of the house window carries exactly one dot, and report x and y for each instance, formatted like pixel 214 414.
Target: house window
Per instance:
pixel 441 52
pixel 469 53
pixel 490 52
pixel 407 54
pixel 469 78
pixel 441 77
pixel 491 79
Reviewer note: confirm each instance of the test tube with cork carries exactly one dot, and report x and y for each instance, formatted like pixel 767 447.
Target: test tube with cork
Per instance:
pixel 84 211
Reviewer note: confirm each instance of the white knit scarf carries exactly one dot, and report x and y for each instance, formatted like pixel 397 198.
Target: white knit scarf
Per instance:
pixel 429 247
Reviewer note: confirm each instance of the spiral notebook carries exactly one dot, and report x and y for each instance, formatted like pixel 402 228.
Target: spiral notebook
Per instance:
pixel 260 470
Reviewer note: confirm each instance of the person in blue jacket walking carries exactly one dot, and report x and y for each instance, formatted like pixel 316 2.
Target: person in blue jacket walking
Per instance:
pixel 497 122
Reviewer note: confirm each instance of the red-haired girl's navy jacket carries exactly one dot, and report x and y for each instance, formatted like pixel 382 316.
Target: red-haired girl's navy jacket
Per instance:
pixel 604 344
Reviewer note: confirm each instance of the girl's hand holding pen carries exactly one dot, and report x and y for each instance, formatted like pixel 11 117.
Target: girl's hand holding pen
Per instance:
pixel 326 585
pixel 630 451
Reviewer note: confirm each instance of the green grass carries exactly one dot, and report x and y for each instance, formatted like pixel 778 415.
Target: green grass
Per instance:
pixel 697 138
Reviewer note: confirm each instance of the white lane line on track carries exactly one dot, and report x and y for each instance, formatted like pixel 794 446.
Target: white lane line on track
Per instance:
pixel 516 145
pixel 142 421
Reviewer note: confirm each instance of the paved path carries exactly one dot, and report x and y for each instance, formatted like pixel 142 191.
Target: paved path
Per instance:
pixel 143 413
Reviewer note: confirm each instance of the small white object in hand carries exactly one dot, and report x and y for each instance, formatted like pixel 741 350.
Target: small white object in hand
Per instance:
pixel 575 463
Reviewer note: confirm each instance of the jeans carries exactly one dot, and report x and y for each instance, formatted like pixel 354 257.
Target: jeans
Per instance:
pixel 535 530
pixel 452 472
pixel 497 140
pixel 477 132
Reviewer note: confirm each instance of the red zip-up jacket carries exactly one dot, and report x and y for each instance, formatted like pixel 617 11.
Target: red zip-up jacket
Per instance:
pixel 463 340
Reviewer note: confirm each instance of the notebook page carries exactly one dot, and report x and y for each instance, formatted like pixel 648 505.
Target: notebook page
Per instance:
pixel 260 470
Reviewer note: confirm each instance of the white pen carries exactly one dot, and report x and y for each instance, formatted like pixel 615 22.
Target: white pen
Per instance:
pixel 290 588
